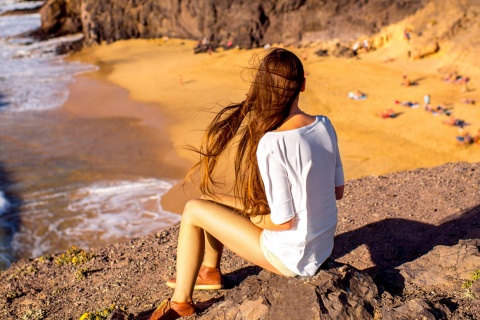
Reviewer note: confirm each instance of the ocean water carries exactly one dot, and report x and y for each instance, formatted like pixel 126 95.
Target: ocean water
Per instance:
pixel 64 181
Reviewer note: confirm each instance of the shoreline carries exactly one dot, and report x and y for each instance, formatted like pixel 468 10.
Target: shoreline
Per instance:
pixel 93 97
pixel 180 86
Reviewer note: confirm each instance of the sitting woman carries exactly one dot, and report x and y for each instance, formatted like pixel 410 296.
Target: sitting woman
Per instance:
pixel 288 174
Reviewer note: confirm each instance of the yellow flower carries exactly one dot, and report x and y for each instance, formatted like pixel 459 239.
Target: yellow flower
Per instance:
pixel 85 316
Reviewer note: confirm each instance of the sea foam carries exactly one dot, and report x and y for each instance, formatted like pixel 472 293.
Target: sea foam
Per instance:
pixel 4 204
pixel 97 214
pixel 32 75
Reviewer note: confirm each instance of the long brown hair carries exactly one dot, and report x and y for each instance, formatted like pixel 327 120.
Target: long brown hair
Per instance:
pixel 276 84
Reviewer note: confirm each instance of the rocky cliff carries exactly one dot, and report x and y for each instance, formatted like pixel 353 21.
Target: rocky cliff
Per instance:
pixel 407 247
pixel 448 28
pixel 246 23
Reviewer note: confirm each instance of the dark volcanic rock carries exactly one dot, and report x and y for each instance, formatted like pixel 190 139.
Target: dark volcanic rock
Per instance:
pixel 416 309
pixel 248 23
pixel 337 292
pixel 415 233
pixel 436 269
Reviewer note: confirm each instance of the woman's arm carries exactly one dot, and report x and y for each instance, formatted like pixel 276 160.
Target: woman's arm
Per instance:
pixel 265 222
pixel 261 221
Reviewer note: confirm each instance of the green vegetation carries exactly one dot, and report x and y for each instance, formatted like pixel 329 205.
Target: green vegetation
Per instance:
pixel 37 314
pixel 81 273
pixel 21 271
pixel 43 258
pixel 99 315
pixel 74 256
pixel 467 285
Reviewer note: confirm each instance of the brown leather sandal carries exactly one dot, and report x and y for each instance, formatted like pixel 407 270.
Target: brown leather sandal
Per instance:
pixel 207 279
pixel 170 310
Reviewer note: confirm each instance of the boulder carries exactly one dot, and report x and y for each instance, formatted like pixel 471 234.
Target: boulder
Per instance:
pixel 442 268
pixel 337 291
pixel 421 308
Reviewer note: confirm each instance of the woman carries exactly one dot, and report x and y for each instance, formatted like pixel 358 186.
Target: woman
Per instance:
pixel 288 174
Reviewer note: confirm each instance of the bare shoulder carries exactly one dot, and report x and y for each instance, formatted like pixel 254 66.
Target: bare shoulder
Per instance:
pixel 296 122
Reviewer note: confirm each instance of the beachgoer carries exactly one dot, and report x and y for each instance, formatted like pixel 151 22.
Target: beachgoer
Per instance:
pixel 357 95
pixel 468 101
pixel 440 109
pixel 388 113
pixel 406 82
pixel 476 139
pixel 355 47
pixel 465 82
pixel 465 138
pixel 452 121
pixel 366 46
pixel 288 176
pixel 410 104
pixel 406 33
pixel 426 99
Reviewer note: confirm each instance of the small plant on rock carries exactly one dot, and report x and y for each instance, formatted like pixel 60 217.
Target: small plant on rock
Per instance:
pixel 467 285
pixel 74 256
pixel 37 314
pixel 99 315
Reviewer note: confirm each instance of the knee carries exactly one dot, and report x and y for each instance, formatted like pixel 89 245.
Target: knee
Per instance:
pixel 192 210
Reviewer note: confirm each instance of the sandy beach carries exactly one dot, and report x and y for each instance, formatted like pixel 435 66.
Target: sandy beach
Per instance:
pixel 177 89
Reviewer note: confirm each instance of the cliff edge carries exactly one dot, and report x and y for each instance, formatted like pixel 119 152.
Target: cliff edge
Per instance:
pixel 246 23
pixel 407 244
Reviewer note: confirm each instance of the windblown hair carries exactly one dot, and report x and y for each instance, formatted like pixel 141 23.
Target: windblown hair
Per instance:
pixel 276 84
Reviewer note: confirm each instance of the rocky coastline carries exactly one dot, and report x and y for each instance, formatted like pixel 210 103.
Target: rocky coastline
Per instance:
pixel 247 24
pixel 407 247
pixel 407 243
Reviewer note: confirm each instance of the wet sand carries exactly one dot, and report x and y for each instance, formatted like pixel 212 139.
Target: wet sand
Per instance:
pixel 177 87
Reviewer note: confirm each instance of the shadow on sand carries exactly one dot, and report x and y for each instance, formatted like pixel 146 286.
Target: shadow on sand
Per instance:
pixel 393 242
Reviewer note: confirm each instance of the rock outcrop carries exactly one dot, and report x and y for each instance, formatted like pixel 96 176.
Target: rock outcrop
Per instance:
pixel 421 228
pixel 247 23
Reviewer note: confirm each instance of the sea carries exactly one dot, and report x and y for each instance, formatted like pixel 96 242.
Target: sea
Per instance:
pixel 60 184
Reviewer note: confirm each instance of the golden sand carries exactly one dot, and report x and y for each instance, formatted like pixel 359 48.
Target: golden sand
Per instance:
pixel 182 85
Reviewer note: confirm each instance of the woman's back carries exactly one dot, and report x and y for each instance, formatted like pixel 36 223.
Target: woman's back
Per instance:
pixel 300 169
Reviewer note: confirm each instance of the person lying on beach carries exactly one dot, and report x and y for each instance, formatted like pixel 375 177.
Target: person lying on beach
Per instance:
pixel 439 110
pixel 388 113
pixel 468 101
pixel 456 78
pixel 465 138
pixel 452 121
pixel 288 176
pixel 452 77
pixel 409 104
pixel 357 95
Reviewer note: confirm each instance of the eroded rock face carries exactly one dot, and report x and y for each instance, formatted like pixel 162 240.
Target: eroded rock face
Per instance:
pixel 416 309
pixel 436 269
pixel 338 291
pixel 247 23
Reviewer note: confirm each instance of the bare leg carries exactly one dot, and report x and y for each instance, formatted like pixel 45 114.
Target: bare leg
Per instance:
pixel 213 251
pixel 234 231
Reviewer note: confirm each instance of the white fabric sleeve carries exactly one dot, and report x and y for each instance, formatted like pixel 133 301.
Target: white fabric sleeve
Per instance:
pixel 277 187
pixel 339 175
